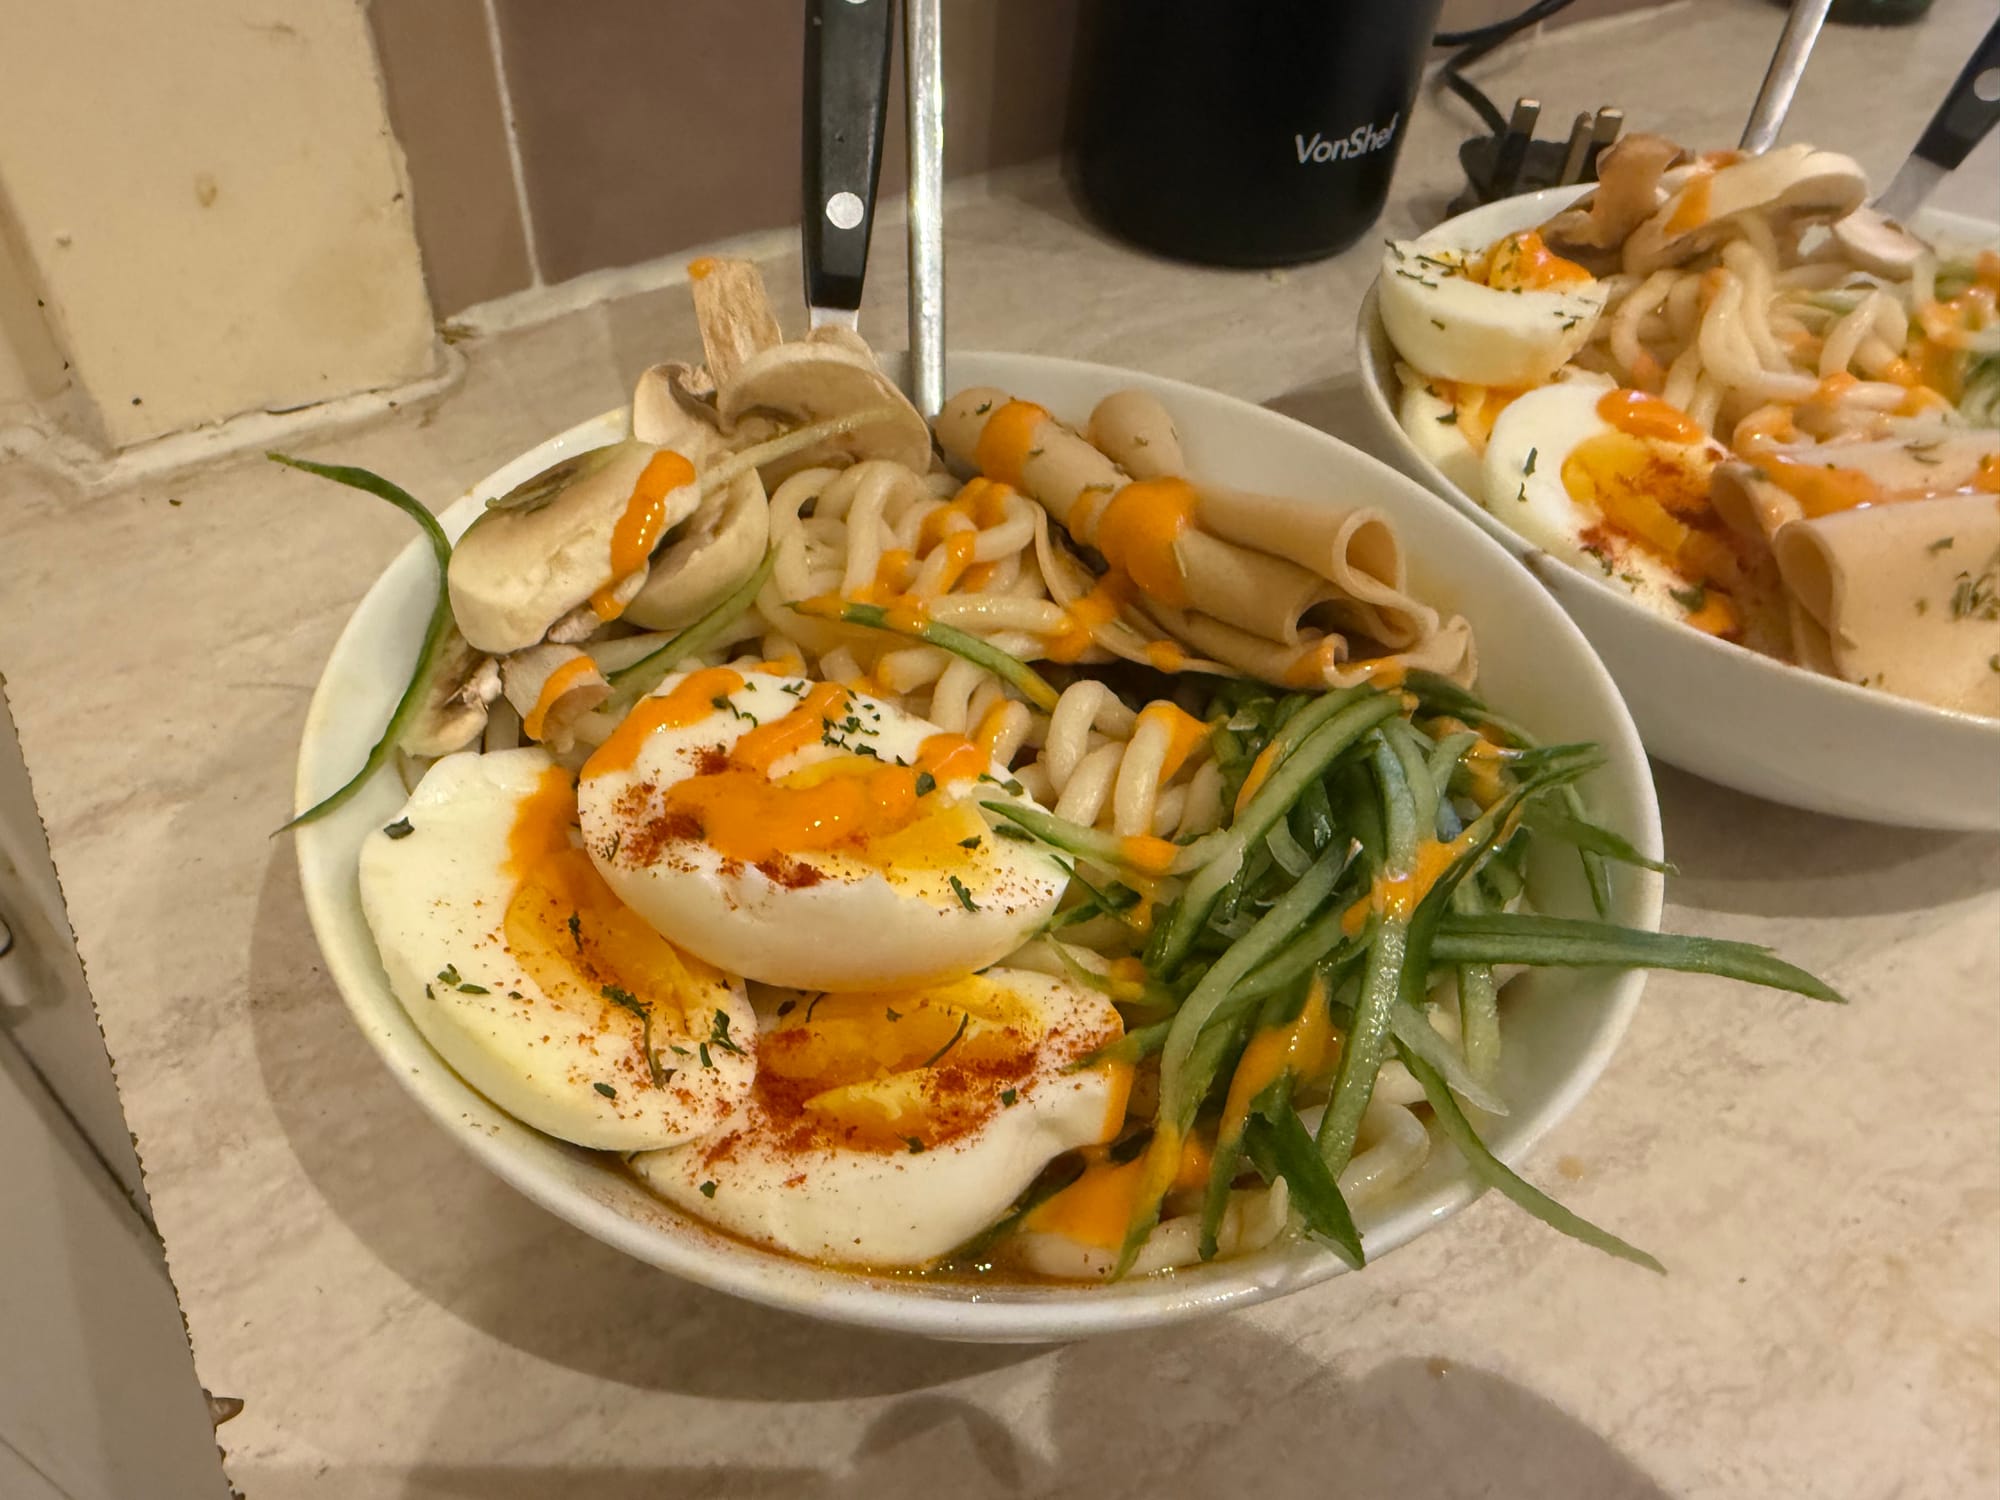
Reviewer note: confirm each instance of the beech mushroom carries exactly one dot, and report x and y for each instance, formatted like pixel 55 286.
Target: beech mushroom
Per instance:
pixel 578 533
pixel 1793 184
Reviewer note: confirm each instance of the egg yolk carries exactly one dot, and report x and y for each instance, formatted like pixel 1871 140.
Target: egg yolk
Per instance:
pixel 1525 261
pixel 1645 490
pixel 855 803
pixel 897 1070
pixel 575 939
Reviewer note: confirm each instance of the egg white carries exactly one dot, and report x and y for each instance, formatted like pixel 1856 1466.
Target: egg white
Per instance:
pixel 897 1207
pixel 436 899
pixel 1523 485
pixel 1452 328
pixel 857 927
pixel 1432 425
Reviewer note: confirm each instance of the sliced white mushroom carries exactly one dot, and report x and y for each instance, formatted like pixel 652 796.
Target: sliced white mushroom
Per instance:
pixel 712 552
pixel 1879 245
pixel 829 375
pixel 1793 184
pixel 673 405
pixel 553 543
pixel 552 687
pixel 1628 192
pixel 454 711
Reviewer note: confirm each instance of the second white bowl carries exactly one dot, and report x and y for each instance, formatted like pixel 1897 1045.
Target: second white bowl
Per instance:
pixel 1725 713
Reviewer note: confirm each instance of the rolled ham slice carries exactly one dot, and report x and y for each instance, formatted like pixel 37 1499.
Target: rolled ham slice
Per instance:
pixel 1239 576
pixel 1905 597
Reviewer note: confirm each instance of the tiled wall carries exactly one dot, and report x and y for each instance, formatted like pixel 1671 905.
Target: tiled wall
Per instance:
pixel 640 127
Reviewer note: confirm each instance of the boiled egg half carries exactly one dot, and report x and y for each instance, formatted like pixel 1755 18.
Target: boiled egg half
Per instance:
pixel 889 1127
pixel 530 979
pixel 1510 315
pixel 1616 483
pixel 805 835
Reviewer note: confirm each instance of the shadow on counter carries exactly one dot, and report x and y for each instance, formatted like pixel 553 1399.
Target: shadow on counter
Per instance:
pixel 1739 853
pixel 1218 1409
pixel 467 1241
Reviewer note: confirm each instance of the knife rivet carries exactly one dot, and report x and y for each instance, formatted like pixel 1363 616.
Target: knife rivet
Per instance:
pixel 1987 86
pixel 843 210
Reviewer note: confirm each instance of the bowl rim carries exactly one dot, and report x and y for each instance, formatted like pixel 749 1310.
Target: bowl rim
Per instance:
pixel 1371 336
pixel 940 1309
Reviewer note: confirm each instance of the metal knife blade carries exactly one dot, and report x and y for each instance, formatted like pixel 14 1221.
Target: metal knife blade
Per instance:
pixel 1970 110
pixel 846 98
pixel 1914 182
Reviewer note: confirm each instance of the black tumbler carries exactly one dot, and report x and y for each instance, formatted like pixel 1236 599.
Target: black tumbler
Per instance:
pixel 1244 132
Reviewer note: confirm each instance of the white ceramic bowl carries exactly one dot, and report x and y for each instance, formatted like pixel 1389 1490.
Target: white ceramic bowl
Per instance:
pixel 1562 1026
pixel 1723 712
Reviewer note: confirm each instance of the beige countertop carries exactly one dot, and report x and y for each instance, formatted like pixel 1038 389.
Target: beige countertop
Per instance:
pixel 1824 1185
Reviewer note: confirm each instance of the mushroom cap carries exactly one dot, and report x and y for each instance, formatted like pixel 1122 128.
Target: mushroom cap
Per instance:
pixel 717 548
pixel 1878 244
pixel 546 546
pixel 1793 183
pixel 816 379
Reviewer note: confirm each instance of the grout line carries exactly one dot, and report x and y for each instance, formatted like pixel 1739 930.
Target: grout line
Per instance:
pixel 494 46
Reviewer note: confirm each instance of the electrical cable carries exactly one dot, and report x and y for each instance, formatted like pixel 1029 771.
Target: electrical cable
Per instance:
pixel 1475 43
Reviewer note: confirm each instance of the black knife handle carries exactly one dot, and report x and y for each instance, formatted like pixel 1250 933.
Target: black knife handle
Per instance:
pixel 846 97
pixel 1964 118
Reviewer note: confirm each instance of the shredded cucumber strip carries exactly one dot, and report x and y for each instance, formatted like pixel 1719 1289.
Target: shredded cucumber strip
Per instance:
pixel 435 632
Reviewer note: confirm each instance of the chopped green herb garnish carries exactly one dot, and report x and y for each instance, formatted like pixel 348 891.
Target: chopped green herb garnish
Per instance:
pixel 971 843
pixel 606 1090
pixel 400 829
pixel 624 999
pixel 1450 418
pixel 576 930
pixel 915 1143
pixel 718 1034
pixel 932 1060
pixel 707 1190
pixel 1533 454
pixel 1692 600
pixel 1942 544
pixel 1008 1096
pixel 926 783
pixel 964 896
pixel 892 1012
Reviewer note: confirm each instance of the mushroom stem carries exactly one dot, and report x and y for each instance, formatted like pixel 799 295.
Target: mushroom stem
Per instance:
pixel 734 312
